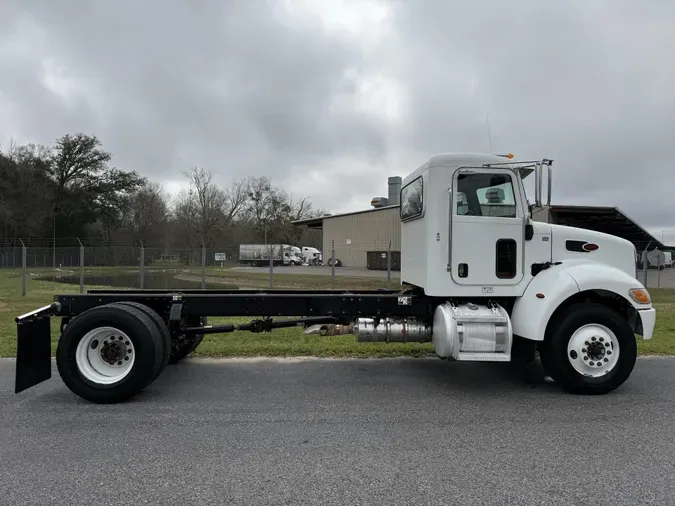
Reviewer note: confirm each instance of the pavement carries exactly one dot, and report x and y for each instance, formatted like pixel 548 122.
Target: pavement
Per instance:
pixel 348 432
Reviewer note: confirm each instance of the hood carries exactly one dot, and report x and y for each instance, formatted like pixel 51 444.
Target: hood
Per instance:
pixel 571 243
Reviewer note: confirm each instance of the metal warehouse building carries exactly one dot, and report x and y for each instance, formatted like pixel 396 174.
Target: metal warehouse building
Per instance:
pixel 362 238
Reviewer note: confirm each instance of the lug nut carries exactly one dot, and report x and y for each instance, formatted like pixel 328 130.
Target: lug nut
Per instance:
pixel 585 357
pixel 591 363
pixel 593 338
pixel 119 362
pixel 606 360
pixel 126 358
pixel 602 339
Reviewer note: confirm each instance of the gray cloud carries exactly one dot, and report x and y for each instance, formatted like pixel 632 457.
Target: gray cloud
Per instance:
pixel 245 88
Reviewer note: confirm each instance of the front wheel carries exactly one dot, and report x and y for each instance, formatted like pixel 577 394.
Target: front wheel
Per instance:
pixel 589 349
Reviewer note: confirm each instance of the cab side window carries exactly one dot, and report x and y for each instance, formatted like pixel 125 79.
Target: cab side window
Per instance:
pixel 412 199
pixel 485 194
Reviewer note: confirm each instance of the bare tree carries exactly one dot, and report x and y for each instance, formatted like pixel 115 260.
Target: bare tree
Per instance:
pixel 147 213
pixel 211 203
pixel 236 197
pixel 186 219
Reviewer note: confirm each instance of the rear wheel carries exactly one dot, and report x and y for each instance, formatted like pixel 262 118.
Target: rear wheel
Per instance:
pixel 161 327
pixel 109 353
pixel 589 349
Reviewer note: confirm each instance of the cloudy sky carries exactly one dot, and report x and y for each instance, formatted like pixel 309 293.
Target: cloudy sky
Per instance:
pixel 332 96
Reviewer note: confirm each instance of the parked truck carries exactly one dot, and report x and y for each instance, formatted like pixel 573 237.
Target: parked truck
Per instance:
pixel 308 255
pixel 477 285
pixel 259 254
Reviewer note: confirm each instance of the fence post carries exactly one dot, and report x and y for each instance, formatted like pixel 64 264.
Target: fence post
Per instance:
pixel 644 268
pixel 24 268
pixel 332 265
pixel 658 272
pixel 203 266
pixel 389 267
pixel 142 265
pixel 271 254
pixel 81 266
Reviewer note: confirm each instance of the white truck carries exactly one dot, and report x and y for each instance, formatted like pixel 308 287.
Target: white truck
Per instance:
pixel 312 255
pixel 483 278
pixel 259 254
pixel 307 255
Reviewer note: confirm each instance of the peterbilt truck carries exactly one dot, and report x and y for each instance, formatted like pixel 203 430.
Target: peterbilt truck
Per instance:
pixel 484 277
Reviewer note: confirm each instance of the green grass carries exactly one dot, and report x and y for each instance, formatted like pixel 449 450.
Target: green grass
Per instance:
pixel 283 342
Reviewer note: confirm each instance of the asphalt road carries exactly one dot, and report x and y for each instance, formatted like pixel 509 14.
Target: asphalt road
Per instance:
pixel 399 431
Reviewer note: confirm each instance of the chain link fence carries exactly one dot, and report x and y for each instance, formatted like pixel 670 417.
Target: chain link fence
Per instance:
pixel 655 269
pixel 80 267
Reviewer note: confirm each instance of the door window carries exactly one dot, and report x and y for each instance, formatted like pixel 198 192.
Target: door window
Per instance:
pixel 486 194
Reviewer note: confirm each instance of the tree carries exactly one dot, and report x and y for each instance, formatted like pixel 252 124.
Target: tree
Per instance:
pixel 186 218
pixel 210 202
pixel 87 189
pixel 25 191
pixel 147 213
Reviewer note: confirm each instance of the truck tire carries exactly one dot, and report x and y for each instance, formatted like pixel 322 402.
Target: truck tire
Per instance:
pixel 589 349
pixel 109 353
pixel 161 326
pixel 182 347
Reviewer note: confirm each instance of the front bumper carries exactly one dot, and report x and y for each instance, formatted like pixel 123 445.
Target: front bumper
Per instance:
pixel 648 320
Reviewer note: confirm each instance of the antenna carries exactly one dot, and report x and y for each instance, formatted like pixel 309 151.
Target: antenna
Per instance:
pixel 489 132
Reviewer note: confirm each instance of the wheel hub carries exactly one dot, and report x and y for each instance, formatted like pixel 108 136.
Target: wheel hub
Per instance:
pixel 114 351
pixel 593 350
pixel 105 355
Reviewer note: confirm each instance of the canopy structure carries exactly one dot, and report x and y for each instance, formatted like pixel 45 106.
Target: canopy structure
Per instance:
pixel 609 220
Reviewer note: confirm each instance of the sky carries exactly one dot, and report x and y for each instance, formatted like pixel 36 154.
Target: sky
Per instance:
pixel 331 97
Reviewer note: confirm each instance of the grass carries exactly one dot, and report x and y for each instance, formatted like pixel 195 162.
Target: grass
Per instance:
pixel 282 342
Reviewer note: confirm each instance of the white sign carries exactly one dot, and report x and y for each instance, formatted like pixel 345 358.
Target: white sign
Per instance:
pixel 221 257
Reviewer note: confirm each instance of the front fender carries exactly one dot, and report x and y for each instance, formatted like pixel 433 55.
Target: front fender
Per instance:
pixel 531 313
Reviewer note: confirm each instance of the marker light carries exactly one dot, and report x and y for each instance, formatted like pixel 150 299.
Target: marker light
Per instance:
pixel 506 155
pixel 640 295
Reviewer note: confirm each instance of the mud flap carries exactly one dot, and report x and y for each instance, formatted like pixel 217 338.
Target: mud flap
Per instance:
pixel 33 352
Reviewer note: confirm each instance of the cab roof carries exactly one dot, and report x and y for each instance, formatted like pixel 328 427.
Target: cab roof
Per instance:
pixel 456 160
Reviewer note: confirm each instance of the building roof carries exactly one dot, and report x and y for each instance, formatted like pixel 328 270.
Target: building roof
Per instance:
pixel 318 221
pixel 610 220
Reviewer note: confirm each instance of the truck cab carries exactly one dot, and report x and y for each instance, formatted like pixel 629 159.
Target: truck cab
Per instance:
pixel 469 217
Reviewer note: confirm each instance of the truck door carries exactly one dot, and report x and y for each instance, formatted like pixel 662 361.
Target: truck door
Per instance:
pixel 487 227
